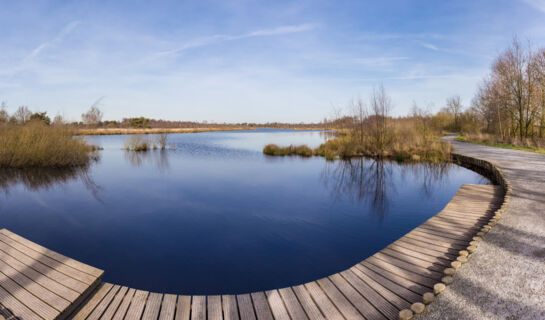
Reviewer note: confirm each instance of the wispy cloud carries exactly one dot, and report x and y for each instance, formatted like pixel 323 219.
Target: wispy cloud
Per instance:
pixel 538 4
pixel 205 41
pixel 429 46
pixel 58 38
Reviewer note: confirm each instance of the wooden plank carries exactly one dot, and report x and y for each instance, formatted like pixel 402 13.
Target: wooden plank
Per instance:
pixel 439 238
pixel 55 287
pixel 168 307
pixel 262 310
pixel 245 307
pixel 430 252
pixel 422 263
pixel 322 301
pixel 445 232
pixel 198 308
pixel 452 230
pixel 39 291
pixel 343 305
pixel 294 307
pixel 230 310
pixel 124 306
pixel 38 306
pixel 384 289
pixel 410 252
pixel 93 301
pixel 63 279
pixel 431 246
pixel 402 272
pixel 214 308
pixel 183 308
pixel 54 255
pixel 153 305
pixel 114 305
pixel 413 286
pixel 17 307
pixel 378 302
pixel 407 291
pixel 409 266
pixel 138 303
pixel 104 304
pixel 436 241
pixel 69 271
pixel 310 307
pixel 277 305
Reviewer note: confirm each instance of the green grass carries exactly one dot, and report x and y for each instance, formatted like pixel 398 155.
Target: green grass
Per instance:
pixel 501 145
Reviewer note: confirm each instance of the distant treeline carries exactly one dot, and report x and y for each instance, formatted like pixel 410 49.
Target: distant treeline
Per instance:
pixel 142 122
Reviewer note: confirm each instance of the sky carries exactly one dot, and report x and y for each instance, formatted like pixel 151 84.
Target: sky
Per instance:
pixel 251 61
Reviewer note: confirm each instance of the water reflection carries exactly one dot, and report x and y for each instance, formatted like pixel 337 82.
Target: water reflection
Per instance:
pixel 39 179
pixel 371 180
pixel 157 157
pixel 361 179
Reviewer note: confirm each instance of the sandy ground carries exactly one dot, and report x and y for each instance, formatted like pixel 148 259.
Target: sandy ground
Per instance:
pixel 505 278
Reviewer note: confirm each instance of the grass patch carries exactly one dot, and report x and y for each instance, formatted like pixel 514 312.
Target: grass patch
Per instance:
pixel 302 151
pixel 36 144
pixel 141 143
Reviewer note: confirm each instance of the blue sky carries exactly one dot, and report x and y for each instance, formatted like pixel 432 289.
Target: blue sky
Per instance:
pixel 250 60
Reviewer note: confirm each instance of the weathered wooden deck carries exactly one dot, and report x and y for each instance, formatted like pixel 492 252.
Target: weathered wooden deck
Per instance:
pixel 36 283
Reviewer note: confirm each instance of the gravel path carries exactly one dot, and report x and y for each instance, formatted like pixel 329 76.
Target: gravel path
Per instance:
pixel 505 277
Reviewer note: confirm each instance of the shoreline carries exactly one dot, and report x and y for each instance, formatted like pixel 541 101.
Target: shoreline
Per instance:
pixel 122 131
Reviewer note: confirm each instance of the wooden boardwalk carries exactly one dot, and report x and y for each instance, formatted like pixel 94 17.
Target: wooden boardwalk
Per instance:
pixel 376 288
pixel 37 283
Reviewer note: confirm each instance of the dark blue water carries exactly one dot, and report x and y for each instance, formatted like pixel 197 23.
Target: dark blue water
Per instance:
pixel 215 215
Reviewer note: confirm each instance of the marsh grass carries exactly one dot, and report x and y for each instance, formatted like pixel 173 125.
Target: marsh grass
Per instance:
pixel 407 142
pixel 145 143
pixel 36 144
pixel 137 143
pixel 302 150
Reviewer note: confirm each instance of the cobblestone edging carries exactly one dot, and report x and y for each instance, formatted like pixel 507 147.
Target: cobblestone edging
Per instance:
pixel 489 170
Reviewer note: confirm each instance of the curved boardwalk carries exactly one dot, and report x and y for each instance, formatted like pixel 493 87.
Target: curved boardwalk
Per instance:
pixel 376 288
pixel 505 278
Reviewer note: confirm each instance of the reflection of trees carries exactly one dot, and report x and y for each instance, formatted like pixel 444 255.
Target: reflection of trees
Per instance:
pixel 366 179
pixel 430 174
pixel 36 179
pixel 362 179
pixel 157 157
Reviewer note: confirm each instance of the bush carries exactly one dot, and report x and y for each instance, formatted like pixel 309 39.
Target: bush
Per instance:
pixel 39 145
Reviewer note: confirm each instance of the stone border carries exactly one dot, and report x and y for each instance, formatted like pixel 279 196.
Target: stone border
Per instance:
pixel 491 171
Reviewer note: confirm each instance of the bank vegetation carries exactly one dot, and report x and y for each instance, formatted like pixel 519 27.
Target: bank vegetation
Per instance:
pixel 32 140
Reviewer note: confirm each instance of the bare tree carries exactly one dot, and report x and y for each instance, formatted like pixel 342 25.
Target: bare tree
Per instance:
pixel 381 106
pixel 359 117
pixel 94 115
pixel 454 106
pixel 58 120
pixel 22 115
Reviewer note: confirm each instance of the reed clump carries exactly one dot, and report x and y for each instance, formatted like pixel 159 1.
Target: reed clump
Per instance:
pixel 302 150
pixel 141 143
pixel 36 144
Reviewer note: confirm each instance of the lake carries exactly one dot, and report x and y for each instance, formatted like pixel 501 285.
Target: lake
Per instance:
pixel 214 215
